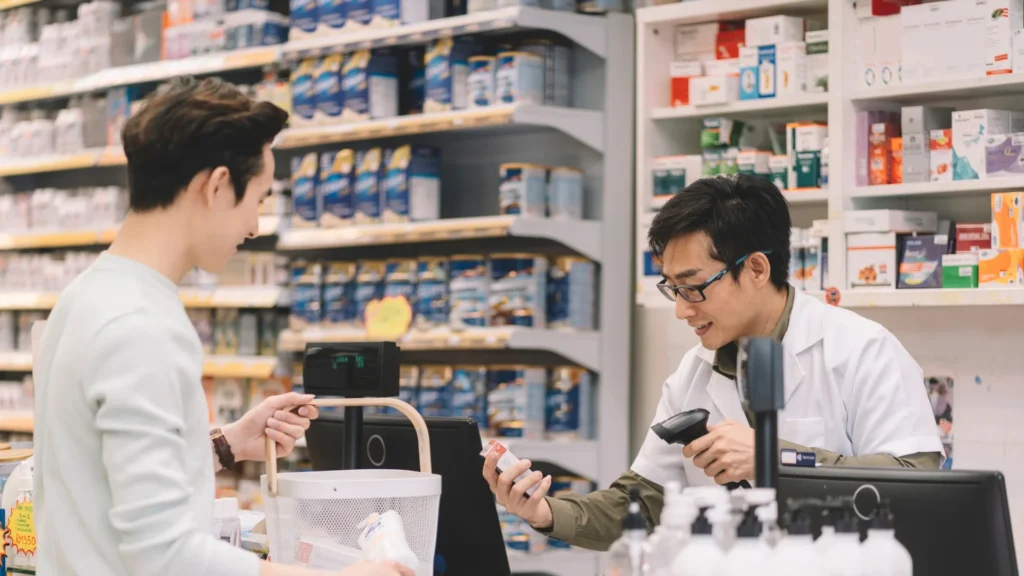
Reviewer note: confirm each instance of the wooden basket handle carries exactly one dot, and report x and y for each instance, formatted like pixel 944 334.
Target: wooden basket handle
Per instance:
pixel 422 437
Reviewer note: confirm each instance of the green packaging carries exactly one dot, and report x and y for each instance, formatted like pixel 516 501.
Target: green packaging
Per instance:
pixel 712 162
pixel 808 169
pixel 960 270
pixel 779 168
pixel 720 132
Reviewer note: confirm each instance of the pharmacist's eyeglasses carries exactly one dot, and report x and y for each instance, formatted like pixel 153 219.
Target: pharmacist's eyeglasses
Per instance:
pixel 694 293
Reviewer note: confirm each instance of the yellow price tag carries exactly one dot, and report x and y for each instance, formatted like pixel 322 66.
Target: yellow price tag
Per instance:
pixel 21 528
pixel 388 319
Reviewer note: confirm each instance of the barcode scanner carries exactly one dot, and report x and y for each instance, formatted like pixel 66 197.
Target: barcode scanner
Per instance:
pixel 686 427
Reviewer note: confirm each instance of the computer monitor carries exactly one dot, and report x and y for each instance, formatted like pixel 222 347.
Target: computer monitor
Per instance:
pixel 954 523
pixel 469 539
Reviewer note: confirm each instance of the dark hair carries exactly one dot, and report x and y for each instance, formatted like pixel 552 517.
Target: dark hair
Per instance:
pixel 740 215
pixel 188 126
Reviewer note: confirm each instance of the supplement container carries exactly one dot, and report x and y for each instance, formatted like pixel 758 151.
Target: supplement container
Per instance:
pixel 522 189
pixel 339 295
pixel 431 293
pixel 369 287
pixel 519 78
pixel 469 393
pixel 435 397
pixel 565 193
pixel 469 289
pixel 400 279
pixel 557 61
pixel 481 81
pixel 572 301
pixel 518 291
pixel 515 401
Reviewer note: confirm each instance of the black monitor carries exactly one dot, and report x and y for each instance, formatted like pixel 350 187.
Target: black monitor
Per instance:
pixel 954 523
pixel 469 539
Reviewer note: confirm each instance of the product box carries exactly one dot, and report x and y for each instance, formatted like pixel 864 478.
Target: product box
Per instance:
pixel 921 261
pixel 327 90
pixel 680 74
pixel 714 90
pixel 869 8
pixel 748 73
pixel 807 171
pixel 727 67
pixel 728 43
pixel 774 30
pixel 720 131
pixel 791 68
pixel 1007 220
pixel 754 163
pixel 871 260
pixel 1017 56
pixel 973 237
pixel 779 168
pixel 916 123
pixel 889 221
pixel 306 203
pixel 940 157
pixel 919 25
pixel 1001 268
pixel 817 60
pixel 960 270
pixel 970 129
pixel 700 41
pixel 880 153
pixel 447 73
pixel 865 119
pixel 766 71
pixel 896 153
pixel 804 137
pixel 336 187
pixel 367 190
pixel 916 158
pixel 670 174
pixel 1004 155
pixel 1005 19
pixel 412 185
pixel 889 50
pixel 370 82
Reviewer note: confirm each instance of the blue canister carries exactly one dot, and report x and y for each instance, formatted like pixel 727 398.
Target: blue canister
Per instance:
pixel 330 99
pixel 369 286
pixel 306 202
pixel 435 397
pixel 337 184
pixel 331 13
pixel 571 294
pixel 359 12
pixel 339 294
pixel 518 292
pixel 303 93
pixel 565 193
pixel 468 292
pixel 515 401
pixel 303 15
pixel 400 279
pixel 570 403
pixel 469 393
pixel 368 197
pixel 306 280
pixel 431 293
pixel 481 81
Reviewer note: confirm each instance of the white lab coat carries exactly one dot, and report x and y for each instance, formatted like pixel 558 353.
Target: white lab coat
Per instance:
pixel 850 388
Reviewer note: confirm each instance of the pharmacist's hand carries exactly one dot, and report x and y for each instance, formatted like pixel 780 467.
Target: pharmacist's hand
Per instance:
pixel 512 495
pixel 272 417
pixel 377 569
pixel 726 453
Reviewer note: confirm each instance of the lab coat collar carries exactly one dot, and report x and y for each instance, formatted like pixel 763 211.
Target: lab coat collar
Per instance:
pixel 804 331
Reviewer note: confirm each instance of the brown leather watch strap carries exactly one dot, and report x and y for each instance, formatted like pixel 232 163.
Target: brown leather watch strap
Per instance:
pixel 222 449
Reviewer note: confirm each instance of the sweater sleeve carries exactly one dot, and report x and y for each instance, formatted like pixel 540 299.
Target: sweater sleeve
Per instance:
pixel 135 385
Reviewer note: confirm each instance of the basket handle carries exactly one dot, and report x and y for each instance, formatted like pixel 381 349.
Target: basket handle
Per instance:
pixel 422 437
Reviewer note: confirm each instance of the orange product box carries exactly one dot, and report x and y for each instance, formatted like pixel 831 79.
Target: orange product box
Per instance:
pixel 880 153
pixel 728 43
pixel 680 74
pixel 896 150
pixel 1001 268
pixel 1007 219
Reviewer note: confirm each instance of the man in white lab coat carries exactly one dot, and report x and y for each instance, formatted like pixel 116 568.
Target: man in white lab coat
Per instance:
pixel 854 396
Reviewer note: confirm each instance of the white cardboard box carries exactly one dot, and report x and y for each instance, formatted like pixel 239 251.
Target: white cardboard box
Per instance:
pixel 871 260
pixel 790 68
pixel 773 30
pixel 720 89
pixel 970 129
pixel 999 33
pixel 855 221
pixel 817 60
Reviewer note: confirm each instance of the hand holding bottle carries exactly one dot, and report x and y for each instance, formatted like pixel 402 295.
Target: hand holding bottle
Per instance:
pixel 512 494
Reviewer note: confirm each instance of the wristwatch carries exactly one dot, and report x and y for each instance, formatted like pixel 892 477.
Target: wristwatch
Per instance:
pixel 222 449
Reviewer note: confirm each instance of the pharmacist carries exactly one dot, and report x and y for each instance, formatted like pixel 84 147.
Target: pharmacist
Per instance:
pixel 124 466
pixel 853 395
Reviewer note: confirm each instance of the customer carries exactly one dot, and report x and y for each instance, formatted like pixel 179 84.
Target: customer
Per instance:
pixel 124 468
pixel 853 395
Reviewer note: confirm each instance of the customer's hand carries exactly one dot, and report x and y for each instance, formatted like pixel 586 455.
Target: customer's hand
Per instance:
pixel 725 453
pixel 512 495
pixel 377 569
pixel 272 418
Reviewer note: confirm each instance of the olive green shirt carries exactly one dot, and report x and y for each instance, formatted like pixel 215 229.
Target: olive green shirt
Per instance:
pixel 594 520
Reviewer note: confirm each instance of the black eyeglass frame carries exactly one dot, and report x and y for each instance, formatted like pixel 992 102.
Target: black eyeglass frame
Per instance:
pixel 671 292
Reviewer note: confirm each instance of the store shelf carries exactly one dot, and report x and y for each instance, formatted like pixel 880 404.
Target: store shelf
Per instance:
pixel 980 87
pixel 15 361
pixel 939 188
pixel 235 297
pixel 59 163
pixel 587 31
pixel 699 11
pixel 578 456
pixel 68 239
pixel 581 236
pixel 239 366
pixel 271 225
pixel 143 73
pixel 17 422
pixel 806 196
pixel 575 562
pixel 9 4
pixel 803 103
pixel 28 300
pixel 930 298
pixel 584 125
pixel 582 348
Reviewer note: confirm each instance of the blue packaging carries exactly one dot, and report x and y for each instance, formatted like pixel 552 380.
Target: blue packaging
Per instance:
pixel 480 83
pixel 331 13
pixel 257 28
pixel 516 401
pixel 447 61
pixel 921 261
pixel 303 15
pixel 412 185
pixel 766 71
pixel 303 92
pixel 570 404
pixel 337 185
pixel 400 279
pixel 518 291
pixel 236 5
pixel 468 288
pixel 408 386
pixel 330 99
pixel 469 393
pixel 339 294
pixel 388 13
pixel 358 12
pixel 748 73
pixel 413 79
pixel 431 293
pixel 306 280
pixel 370 83
pixel 435 397
pixel 306 203
pixel 369 287
pixel 571 302
pixel 367 198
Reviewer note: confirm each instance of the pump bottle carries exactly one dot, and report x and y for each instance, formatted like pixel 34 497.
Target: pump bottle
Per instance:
pixel 795 553
pixel 702 555
pixel 882 550
pixel 828 531
pixel 626 556
pixel 750 554
pixel 674 532
pixel 846 556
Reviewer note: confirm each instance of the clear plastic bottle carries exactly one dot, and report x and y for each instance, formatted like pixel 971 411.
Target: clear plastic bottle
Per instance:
pixel 884 553
pixel 674 532
pixel 795 553
pixel 750 554
pixel 846 555
pixel 626 556
pixel 702 555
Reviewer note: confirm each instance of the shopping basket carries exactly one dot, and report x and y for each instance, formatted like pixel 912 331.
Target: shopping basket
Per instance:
pixel 329 506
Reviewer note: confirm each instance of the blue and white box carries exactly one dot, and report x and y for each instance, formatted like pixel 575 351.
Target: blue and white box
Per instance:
pixel 766 69
pixel 330 99
pixel 412 185
pixel 358 13
pixel 303 15
pixel 572 283
pixel 337 188
pixel 387 13
pixel 370 82
pixel 570 404
pixel 306 202
pixel 749 73
pixel 447 74
pixel 368 197
pixel 303 82
pixel 331 14
pixel 519 78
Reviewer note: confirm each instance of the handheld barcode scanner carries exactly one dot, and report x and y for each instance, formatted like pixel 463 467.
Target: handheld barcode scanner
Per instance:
pixel 760 380
pixel 686 427
pixel 351 370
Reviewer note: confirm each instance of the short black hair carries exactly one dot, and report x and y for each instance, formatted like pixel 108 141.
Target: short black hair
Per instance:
pixel 740 215
pixel 187 126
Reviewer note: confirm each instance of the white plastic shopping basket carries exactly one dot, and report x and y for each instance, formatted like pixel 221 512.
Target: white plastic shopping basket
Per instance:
pixel 329 506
